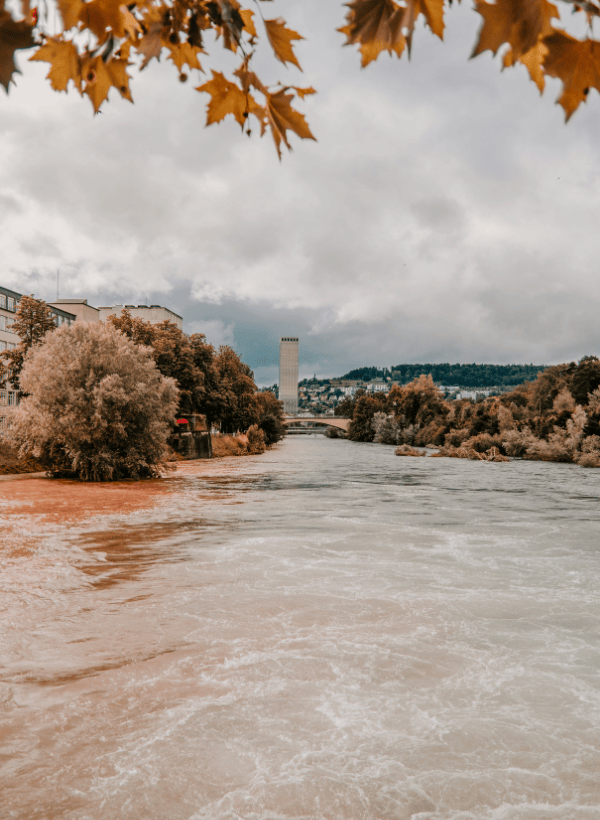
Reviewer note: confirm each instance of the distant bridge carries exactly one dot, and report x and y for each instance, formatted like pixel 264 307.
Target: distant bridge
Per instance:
pixel 316 424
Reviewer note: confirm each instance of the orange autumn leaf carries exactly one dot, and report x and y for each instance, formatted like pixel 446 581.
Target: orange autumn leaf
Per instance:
pixel 100 76
pixel 101 16
pixel 283 118
pixel 515 22
pixel 432 11
pixel 228 98
pixel 532 60
pixel 70 11
pixel 183 53
pixel 64 63
pixel 281 39
pixel 577 64
pixel 247 15
pixel 303 92
pixel 377 26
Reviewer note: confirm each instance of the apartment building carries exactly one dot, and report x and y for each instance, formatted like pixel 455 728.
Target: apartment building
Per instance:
pixel 9 302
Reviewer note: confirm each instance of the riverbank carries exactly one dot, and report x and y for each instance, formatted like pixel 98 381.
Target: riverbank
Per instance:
pixel 223 447
pixel 11 464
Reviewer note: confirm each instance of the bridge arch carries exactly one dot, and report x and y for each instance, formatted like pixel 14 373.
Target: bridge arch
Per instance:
pixel 328 421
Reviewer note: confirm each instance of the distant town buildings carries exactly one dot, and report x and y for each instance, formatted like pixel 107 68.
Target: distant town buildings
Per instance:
pixel 288 374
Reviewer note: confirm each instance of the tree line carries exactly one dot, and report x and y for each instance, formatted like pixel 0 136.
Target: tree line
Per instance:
pixel 461 375
pixel 555 417
pixel 101 400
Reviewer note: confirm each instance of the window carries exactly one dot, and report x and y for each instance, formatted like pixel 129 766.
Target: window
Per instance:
pixel 2 322
pixel 9 322
pixel 2 345
pixel 2 301
pixel 12 398
pixel 11 345
pixel 11 303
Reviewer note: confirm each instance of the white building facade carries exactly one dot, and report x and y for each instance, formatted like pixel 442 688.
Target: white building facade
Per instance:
pixel 155 314
pixel 288 373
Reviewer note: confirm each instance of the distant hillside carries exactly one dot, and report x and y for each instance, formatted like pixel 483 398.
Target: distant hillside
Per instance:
pixel 463 375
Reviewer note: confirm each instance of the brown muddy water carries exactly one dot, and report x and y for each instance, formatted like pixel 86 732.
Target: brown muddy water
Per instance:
pixel 324 631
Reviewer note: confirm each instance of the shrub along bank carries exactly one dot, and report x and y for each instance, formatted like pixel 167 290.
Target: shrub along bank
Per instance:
pixel 554 418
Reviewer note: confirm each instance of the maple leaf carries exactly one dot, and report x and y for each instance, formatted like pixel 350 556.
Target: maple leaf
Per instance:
pixel 532 60
pixel 129 24
pixel 69 11
pixel 281 38
pixel 282 118
pixel 302 92
pixel 432 10
pixel 13 36
pixel 577 64
pixel 99 76
pixel 100 16
pixel 64 63
pixel 152 42
pixel 184 53
pixel 247 15
pixel 229 98
pixel 515 22
pixel 377 26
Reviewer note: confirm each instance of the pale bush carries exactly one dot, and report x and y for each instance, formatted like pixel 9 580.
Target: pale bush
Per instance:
pixel 575 427
pixel 594 401
pixel 407 433
pixel 506 419
pixel 455 436
pixel 407 450
pixel 256 440
pixel 590 452
pixel 517 442
pixel 590 444
pixel 385 428
pixel 556 448
pixel 97 406
pixel 482 442
pixel 589 459
pixel 564 402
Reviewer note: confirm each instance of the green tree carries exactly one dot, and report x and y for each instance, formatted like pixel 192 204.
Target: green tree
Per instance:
pixel 237 380
pixel 33 321
pixel 585 378
pixel 270 417
pixel 361 427
pixel 97 406
pixel 172 352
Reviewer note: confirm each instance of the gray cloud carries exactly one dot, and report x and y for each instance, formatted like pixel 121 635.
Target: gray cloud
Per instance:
pixel 446 213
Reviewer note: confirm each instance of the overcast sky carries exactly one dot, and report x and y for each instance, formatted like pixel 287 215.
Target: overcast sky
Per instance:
pixel 446 213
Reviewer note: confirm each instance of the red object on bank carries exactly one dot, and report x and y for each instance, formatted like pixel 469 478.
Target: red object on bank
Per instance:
pixel 181 421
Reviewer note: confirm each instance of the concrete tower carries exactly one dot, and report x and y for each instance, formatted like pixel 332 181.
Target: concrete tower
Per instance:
pixel 288 374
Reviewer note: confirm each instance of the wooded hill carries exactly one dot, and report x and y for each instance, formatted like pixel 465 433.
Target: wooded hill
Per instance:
pixel 462 375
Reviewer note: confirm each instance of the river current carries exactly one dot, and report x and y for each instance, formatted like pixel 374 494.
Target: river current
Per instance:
pixel 323 631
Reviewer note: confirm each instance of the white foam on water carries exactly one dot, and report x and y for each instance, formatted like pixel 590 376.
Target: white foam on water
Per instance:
pixel 325 633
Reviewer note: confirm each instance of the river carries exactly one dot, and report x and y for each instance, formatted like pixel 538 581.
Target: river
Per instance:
pixel 323 631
